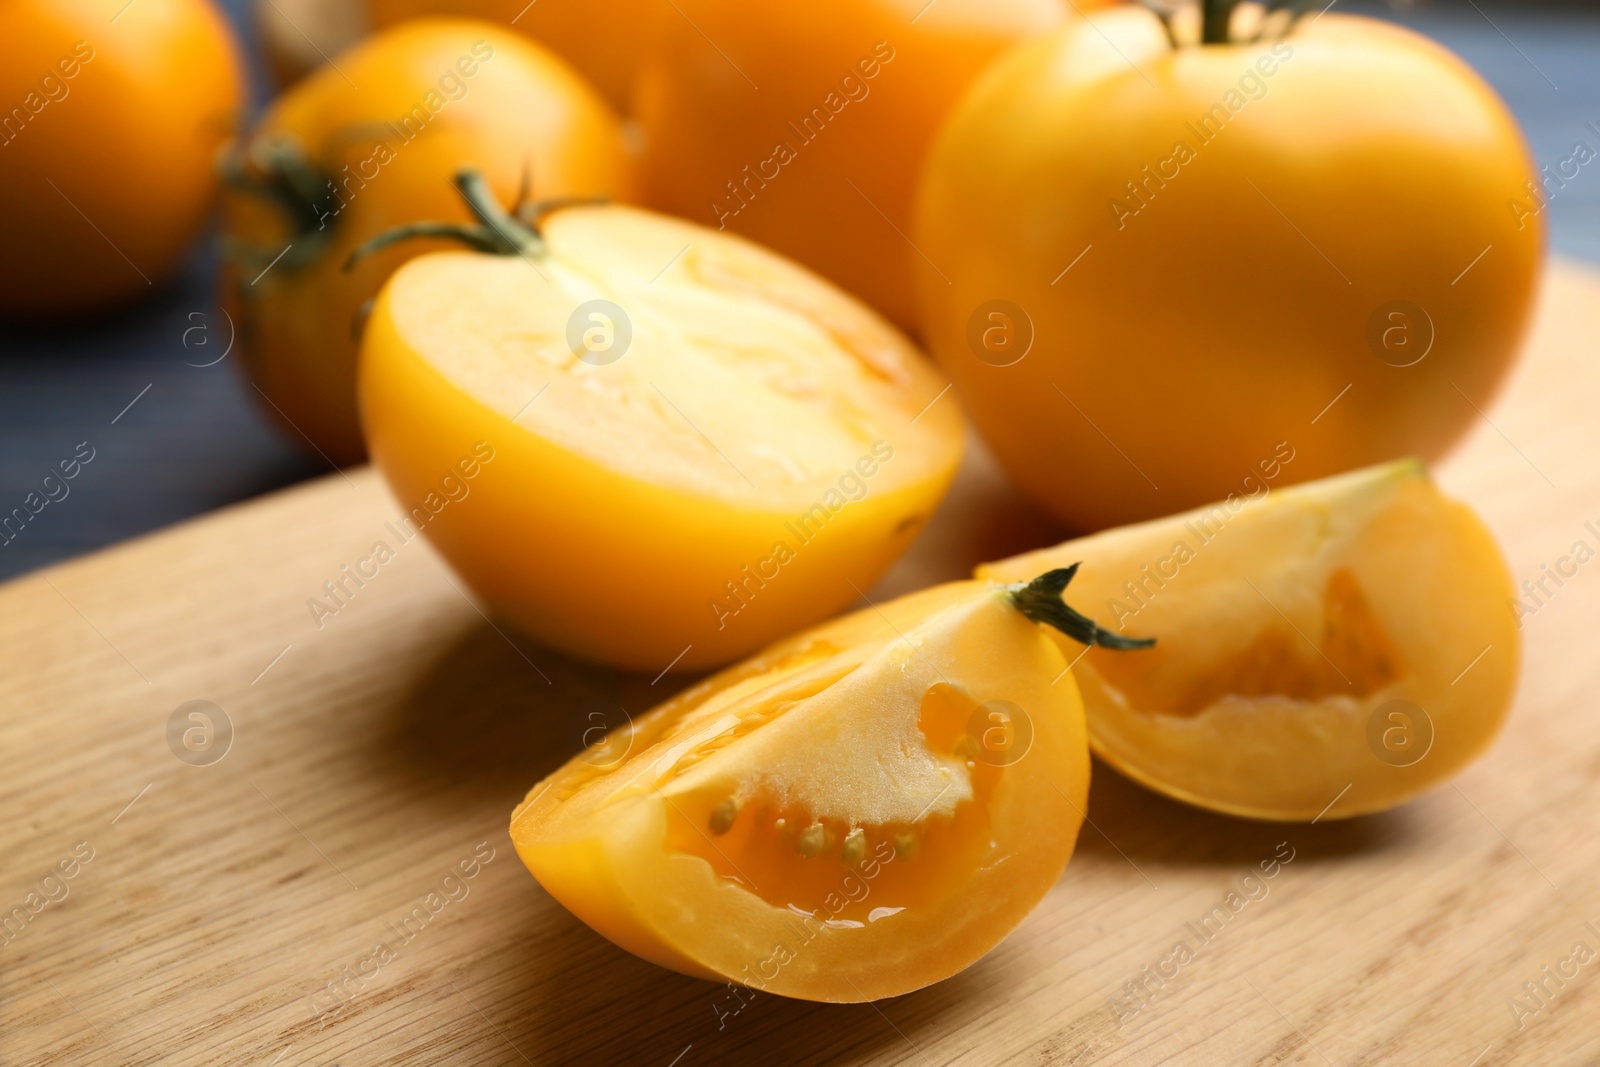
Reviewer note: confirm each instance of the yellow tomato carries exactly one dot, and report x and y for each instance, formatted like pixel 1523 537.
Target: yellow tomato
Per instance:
pixel 605 39
pixel 1328 649
pixel 804 125
pixel 857 812
pixel 297 36
pixel 109 123
pixel 697 446
pixel 1147 264
pixel 366 143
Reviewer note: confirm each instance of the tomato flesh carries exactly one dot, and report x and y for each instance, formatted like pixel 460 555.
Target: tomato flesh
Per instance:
pixel 858 812
pixel 786 853
pixel 750 448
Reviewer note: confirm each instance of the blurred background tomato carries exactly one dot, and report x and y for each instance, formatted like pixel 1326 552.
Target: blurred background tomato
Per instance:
pixel 804 125
pixel 604 39
pixel 377 139
pixel 112 120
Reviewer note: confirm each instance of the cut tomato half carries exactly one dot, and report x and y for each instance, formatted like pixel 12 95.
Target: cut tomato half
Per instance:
pixel 1328 649
pixel 854 813
pixel 728 444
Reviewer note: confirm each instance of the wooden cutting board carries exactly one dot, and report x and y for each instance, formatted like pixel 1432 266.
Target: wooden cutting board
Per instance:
pixel 203 912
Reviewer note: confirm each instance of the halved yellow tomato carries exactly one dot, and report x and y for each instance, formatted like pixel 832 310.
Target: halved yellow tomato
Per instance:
pixel 856 812
pixel 697 447
pixel 1329 649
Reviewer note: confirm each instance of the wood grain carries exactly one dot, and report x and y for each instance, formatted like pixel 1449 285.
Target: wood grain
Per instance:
pixel 372 756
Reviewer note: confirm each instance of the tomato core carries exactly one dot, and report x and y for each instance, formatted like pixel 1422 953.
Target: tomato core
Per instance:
pixel 1351 655
pixel 793 857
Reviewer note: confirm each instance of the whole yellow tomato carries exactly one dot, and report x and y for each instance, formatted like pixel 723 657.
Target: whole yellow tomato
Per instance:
pixel 366 143
pixel 109 123
pixel 1155 270
pixel 645 442
pixel 804 125
pixel 604 39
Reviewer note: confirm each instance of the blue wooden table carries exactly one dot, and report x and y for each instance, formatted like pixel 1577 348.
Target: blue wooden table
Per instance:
pixel 171 437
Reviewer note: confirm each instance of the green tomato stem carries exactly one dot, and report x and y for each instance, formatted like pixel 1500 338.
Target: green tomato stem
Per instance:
pixel 477 237
pixel 516 237
pixel 498 231
pixel 276 169
pixel 1215 16
pixel 1040 600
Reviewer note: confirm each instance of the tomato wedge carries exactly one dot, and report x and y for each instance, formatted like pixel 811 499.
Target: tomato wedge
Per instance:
pixel 854 813
pixel 1329 649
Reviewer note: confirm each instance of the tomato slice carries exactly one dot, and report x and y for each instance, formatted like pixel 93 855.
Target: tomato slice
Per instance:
pixel 1331 649
pixel 854 813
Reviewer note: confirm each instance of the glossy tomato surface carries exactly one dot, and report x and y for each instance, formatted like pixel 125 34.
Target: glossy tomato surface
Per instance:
pixel 1154 264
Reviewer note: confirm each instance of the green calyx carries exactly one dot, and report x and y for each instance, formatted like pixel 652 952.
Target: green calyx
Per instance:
pixel 277 170
pixel 496 231
pixel 1040 600
pixel 1216 18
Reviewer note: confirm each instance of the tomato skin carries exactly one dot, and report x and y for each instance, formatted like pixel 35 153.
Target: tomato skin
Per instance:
pixel 888 82
pixel 1222 319
pixel 123 119
pixel 604 39
pixel 299 322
